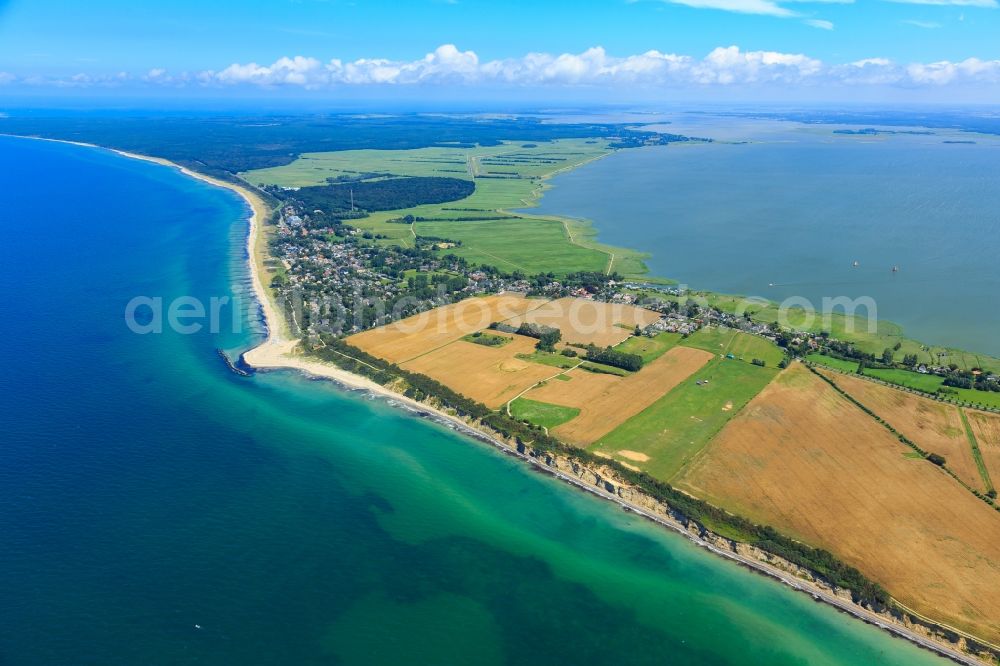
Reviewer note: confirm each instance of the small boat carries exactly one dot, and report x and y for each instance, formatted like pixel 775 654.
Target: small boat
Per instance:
pixel 895 269
pixel 856 263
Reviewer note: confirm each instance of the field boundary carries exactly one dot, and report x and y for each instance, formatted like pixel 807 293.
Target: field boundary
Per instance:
pixel 900 387
pixel 541 381
pixel 976 453
pixel 902 438
pixel 964 634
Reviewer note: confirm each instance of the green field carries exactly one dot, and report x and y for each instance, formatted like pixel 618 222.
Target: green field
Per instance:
pixel 743 346
pixel 555 360
pixel 913 380
pixel 487 339
pixel 542 413
pixel 527 244
pixel 984 473
pixel 649 349
pixel 507 176
pixel 677 426
pixel 601 368
pixel 986 399
pixel 831 362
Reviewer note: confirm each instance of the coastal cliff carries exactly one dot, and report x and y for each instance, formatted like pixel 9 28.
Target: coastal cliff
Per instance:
pixel 605 482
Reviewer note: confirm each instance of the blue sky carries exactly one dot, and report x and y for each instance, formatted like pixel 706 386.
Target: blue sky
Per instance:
pixel 916 48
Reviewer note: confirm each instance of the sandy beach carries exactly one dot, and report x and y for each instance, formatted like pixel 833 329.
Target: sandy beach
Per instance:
pixel 278 350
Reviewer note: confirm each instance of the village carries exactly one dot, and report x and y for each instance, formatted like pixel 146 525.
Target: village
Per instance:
pixel 336 279
pixel 333 278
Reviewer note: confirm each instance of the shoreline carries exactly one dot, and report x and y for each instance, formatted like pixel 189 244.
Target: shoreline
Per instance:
pixel 276 352
pixel 586 236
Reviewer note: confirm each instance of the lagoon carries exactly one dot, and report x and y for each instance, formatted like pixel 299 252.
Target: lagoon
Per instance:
pixel 794 206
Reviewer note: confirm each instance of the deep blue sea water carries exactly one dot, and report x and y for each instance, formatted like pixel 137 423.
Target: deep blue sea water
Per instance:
pixel 145 489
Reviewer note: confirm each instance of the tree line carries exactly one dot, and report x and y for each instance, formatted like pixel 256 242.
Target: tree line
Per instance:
pixel 389 194
pixel 613 357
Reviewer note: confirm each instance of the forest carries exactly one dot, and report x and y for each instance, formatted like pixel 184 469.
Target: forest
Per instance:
pixel 390 194
pixel 222 145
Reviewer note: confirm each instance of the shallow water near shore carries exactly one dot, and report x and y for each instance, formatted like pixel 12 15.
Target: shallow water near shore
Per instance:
pixel 780 210
pixel 156 508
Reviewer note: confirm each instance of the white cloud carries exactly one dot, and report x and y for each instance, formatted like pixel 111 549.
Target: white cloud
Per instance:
pixel 448 65
pixel 988 4
pixel 293 71
pixel 926 25
pixel 6 77
pixel 763 7
pixel 723 67
pixel 971 70
pixel 819 23
pixel 766 7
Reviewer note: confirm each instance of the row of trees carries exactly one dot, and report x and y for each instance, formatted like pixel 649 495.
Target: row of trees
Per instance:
pixel 547 336
pixel 615 358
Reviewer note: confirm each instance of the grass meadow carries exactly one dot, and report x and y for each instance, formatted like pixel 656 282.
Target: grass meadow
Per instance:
pixel 542 413
pixel 679 424
pixel 508 176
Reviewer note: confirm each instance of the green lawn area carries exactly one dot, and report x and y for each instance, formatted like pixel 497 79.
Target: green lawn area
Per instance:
pixel 984 398
pixel 526 244
pixel 548 358
pixel 743 346
pixel 649 349
pixel 984 473
pixel 676 427
pixel 913 380
pixel 487 339
pixel 603 369
pixel 542 413
pixel 831 362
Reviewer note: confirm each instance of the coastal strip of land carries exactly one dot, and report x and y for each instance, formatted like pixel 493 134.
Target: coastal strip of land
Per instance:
pixel 277 351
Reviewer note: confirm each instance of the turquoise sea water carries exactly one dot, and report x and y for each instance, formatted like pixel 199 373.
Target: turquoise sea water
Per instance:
pixel 145 489
pixel 796 205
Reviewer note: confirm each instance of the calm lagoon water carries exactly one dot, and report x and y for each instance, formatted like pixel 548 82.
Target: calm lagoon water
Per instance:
pixel 145 489
pixel 797 205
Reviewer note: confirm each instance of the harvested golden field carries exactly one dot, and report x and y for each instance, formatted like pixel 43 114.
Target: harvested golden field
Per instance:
pixel 606 401
pixel 986 428
pixel 934 426
pixel 804 459
pixel 584 321
pixel 407 338
pixel 490 375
